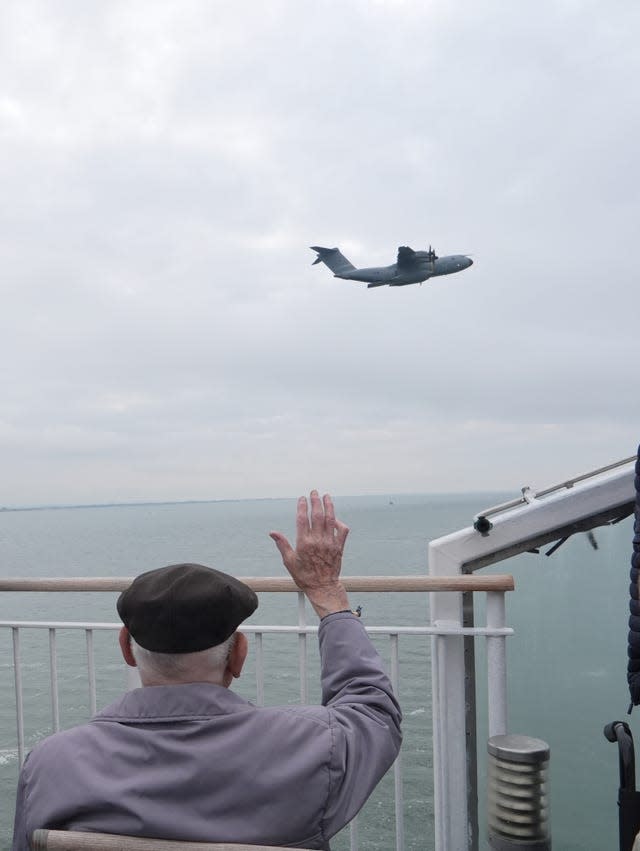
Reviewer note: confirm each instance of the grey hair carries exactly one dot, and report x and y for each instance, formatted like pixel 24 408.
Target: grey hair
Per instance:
pixel 183 667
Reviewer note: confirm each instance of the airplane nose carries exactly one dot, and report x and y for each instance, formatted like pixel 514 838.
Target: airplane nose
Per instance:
pixel 469 262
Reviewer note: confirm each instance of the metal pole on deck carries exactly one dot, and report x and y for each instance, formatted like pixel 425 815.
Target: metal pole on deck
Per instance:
pixel 448 697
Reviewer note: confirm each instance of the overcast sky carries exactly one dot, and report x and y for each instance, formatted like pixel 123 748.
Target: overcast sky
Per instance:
pixel 165 166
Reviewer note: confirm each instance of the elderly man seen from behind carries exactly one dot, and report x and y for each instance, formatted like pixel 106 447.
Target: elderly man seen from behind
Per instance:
pixel 184 757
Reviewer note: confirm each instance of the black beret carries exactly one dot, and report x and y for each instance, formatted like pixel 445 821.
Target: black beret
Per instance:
pixel 183 608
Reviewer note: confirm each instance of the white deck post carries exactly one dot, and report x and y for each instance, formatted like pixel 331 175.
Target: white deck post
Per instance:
pixel 448 696
pixel 496 666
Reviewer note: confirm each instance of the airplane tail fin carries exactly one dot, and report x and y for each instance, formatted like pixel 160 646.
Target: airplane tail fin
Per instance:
pixel 333 258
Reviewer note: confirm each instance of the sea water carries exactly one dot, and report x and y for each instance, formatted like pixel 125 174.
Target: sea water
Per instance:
pixel 566 661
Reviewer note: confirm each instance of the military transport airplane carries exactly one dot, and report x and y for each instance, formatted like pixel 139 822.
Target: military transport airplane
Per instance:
pixel 411 267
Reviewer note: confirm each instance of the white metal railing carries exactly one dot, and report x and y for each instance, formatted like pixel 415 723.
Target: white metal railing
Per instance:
pixel 495 632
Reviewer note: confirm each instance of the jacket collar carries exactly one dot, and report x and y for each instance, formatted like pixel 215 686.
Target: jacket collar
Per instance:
pixel 168 703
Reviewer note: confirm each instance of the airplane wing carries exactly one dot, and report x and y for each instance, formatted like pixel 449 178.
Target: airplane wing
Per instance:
pixel 406 257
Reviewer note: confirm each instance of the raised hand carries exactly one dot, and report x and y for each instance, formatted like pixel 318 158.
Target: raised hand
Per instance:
pixel 316 561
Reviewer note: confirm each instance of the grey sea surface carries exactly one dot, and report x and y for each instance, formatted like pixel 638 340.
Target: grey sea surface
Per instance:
pixel 567 659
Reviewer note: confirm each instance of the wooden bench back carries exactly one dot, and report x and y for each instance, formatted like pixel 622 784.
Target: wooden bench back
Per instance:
pixel 68 840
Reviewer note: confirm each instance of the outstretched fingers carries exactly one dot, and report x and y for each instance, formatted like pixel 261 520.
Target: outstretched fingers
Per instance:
pixel 315 520
pixel 316 561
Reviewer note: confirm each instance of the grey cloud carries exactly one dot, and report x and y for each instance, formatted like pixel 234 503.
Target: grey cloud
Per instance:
pixel 166 167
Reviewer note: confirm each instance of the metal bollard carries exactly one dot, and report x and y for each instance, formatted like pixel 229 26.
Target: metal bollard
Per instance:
pixel 518 807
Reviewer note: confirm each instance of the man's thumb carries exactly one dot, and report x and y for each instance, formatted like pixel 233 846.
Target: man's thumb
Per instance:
pixel 282 544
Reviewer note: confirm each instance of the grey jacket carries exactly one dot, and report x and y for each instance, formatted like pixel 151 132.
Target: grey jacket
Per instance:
pixel 197 762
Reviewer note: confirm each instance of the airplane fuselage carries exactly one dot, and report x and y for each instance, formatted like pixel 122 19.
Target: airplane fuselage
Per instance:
pixel 411 267
pixel 422 269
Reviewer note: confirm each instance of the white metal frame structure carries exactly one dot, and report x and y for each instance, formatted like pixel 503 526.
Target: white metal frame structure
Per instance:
pixel 601 497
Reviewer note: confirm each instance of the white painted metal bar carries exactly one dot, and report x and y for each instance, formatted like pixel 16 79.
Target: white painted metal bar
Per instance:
pixel 53 669
pixel 515 528
pixel 91 669
pixel 449 748
pixel 496 666
pixel 565 485
pixel 353 834
pixel 60 625
pixel 302 648
pixel 448 700
pixel 17 677
pixel 440 629
pixel 397 766
pixel 583 477
pixel 259 669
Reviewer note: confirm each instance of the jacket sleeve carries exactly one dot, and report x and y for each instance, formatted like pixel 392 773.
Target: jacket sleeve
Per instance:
pixel 364 715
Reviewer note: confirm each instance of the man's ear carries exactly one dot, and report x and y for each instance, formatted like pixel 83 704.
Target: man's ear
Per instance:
pixel 124 639
pixel 236 658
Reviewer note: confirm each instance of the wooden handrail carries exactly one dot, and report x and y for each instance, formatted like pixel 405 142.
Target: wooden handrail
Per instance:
pixel 63 840
pixel 497 582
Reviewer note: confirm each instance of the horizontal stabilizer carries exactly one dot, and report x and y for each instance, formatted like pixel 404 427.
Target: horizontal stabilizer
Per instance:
pixel 333 259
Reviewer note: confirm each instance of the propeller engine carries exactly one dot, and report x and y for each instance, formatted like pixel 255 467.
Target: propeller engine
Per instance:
pixel 431 255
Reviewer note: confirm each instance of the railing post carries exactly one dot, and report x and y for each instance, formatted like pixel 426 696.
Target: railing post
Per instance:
pixel 448 697
pixel 53 668
pixel 353 834
pixel 17 675
pixel 259 669
pixel 397 766
pixel 302 649
pixel 496 665
pixel 91 672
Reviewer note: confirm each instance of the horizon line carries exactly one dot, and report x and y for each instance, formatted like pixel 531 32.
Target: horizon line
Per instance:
pixel 149 502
